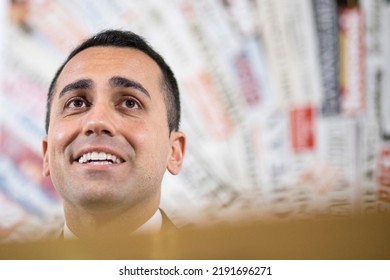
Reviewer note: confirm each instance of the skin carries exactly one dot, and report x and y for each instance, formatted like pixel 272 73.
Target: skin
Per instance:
pixel 95 108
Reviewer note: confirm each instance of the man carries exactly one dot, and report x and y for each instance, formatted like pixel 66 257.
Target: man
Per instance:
pixel 112 124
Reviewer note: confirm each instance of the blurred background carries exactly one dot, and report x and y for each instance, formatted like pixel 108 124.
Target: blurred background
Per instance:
pixel 285 104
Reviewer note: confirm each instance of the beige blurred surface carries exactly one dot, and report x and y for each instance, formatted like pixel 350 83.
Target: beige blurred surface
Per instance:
pixel 358 237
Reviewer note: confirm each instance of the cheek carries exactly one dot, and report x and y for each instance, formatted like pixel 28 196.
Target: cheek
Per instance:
pixel 60 137
pixel 151 142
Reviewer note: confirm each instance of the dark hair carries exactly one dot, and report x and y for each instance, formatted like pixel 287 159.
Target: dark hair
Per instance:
pixel 128 39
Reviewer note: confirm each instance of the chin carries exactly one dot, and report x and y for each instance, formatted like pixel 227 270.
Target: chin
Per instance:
pixel 100 206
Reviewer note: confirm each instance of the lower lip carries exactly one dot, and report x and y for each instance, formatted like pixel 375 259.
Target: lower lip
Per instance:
pixel 99 165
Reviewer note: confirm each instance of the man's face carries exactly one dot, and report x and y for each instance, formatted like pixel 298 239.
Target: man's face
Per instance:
pixel 108 143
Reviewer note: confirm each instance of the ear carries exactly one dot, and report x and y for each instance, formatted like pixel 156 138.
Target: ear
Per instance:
pixel 178 146
pixel 46 169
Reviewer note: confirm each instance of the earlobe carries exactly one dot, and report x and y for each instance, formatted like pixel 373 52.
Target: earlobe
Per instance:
pixel 178 146
pixel 46 169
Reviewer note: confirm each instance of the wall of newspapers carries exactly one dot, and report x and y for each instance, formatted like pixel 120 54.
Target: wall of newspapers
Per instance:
pixel 285 104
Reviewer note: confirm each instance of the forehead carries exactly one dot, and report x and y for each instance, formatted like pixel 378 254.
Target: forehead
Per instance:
pixel 101 63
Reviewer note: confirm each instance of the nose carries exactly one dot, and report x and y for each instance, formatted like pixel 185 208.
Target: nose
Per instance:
pixel 99 120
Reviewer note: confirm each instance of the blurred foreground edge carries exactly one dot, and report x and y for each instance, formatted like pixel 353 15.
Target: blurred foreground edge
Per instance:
pixel 358 237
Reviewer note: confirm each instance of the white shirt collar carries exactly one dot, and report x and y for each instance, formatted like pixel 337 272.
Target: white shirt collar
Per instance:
pixel 152 225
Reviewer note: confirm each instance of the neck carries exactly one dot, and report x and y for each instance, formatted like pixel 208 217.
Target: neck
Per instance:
pixel 86 224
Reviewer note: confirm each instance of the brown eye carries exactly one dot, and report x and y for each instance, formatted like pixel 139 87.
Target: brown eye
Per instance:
pixel 131 103
pixel 76 103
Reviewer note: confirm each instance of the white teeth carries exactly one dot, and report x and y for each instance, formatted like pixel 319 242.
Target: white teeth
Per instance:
pixel 95 156
pixel 100 158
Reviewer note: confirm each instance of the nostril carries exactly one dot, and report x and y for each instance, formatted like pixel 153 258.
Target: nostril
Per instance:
pixel 99 126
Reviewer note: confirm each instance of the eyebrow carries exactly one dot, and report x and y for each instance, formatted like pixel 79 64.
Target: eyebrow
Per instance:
pixel 116 81
pixel 121 82
pixel 79 84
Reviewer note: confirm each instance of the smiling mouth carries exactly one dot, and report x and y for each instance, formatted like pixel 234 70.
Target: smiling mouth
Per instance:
pixel 99 158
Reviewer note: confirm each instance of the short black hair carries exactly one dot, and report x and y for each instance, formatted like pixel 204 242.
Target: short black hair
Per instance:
pixel 128 39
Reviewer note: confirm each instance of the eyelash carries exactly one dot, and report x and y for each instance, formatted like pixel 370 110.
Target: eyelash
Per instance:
pixel 127 99
pixel 86 103
pixel 72 100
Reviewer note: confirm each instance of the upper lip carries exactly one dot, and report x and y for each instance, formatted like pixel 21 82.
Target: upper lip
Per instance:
pixel 98 150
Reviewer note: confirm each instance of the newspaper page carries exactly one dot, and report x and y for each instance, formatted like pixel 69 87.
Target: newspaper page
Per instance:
pixel 384 96
pixel 326 15
pixel 352 60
